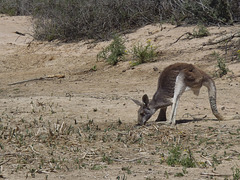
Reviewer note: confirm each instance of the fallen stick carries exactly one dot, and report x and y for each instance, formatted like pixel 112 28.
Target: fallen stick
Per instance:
pixel 127 160
pixel 214 174
pixel 58 76
pixel 22 34
pixel 207 160
pixel 4 162
pixel 228 38
pixel 187 33
pixel 33 149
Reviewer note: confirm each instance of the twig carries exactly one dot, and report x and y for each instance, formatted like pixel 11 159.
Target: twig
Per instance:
pixel 33 149
pixel 60 129
pixel 214 174
pixel 192 116
pixel 188 33
pixel 11 154
pixel 155 128
pixel 42 171
pixel 127 160
pixel 22 34
pixel 224 39
pixel 41 78
pixel 4 162
pixel 207 160
pixel 84 155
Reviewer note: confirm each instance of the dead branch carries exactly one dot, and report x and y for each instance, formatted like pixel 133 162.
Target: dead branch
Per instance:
pixel 228 38
pixel 22 34
pixel 4 162
pixel 58 76
pixel 33 149
pixel 127 160
pixel 214 174
pixel 187 33
pixel 207 160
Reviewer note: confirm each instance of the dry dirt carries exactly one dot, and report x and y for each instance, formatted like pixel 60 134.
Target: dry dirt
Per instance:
pixel 83 126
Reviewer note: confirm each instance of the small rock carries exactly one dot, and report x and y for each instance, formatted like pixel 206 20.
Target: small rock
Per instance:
pixel 155 68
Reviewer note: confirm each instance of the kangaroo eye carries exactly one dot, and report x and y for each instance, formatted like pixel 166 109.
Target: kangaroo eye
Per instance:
pixel 142 113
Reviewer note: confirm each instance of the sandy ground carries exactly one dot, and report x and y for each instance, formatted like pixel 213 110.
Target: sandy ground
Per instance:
pixel 83 126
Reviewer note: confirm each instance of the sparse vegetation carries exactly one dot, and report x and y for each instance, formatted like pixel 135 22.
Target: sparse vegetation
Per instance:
pixel 200 31
pixel 127 169
pixel 236 173
pixel 177 157
pixel 47 132
pixel 89 19
pixel 222 68
pixel 238 55
pixel 114 52
pixel 142 54
pixel 123 139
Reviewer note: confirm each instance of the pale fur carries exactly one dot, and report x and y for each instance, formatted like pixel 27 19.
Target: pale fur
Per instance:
pixel 173 81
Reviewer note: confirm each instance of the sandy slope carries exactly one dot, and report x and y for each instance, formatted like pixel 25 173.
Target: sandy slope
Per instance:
pixel 105 95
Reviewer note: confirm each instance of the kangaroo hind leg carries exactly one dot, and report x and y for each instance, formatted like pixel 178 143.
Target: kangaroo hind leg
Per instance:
pixel 180 87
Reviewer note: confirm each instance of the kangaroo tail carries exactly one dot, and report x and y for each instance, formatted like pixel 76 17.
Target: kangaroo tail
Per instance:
pixel 212 97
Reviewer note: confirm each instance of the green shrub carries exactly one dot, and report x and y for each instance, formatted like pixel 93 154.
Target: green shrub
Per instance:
pixel 238 55
pixel 236 173
pixel 174 156
pixel 177 157
pixel 222 68
pixel 107 159
pixel 142 54
pixel 200 31
pixel 114 52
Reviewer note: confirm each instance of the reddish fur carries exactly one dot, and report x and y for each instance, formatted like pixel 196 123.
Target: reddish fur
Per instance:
pixel 194 78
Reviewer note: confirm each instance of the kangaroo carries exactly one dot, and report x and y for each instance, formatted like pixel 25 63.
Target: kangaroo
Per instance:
pixel 173 81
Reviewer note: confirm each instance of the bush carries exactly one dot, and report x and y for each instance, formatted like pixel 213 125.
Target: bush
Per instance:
pixel 200 31
pixel 222 68
pixel 17 7
pixel 142 54
pixel 91 19
pixel 177 157
pixel 114 52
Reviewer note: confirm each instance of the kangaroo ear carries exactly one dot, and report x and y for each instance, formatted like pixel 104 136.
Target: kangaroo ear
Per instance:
pixel 145 99
pixel 137 102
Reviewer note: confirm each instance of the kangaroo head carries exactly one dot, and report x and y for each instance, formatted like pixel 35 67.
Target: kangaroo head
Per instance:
pixel 144 112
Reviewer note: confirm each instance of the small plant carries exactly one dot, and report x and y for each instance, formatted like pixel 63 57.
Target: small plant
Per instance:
pixel 236 173
pixel 200 31
pixel 177 157
pixel 179 174
pixel 166 174
pixel 238 54
pixel 96 167
pixel 187 160
pixel 127 169
pixel 142 54
pixel 215 160
pixel 94 68
pixel 221 66
pixel 107 159
pixel 174 157
pixel 114 52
